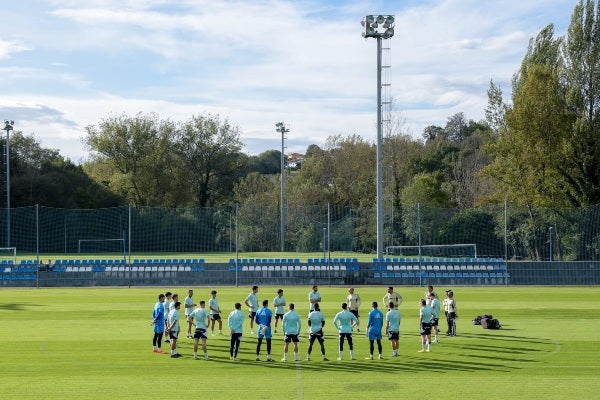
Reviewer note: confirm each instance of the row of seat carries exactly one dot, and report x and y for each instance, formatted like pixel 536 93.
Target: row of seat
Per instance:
pixel 134 268
pixel 429 267
pixel 253 268
pixel 438 260
pixel 448 275
pixel 17 277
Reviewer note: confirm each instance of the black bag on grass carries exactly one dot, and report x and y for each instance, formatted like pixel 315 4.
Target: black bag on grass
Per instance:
pixel 477 319
pixel 490 323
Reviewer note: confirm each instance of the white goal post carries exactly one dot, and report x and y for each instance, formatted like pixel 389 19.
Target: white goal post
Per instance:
pixel 10 251
pixel 434 250
pixel 83 241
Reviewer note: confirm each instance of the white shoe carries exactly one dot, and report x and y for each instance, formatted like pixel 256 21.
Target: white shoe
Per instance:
pixel 307 358
pixel 339 358
pixel 284 360
pixel 381 357
pixel 369 358
pixel 251 332
pixel 296 359
pixel 257 358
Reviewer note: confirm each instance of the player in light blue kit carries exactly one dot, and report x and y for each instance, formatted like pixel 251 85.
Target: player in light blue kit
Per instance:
pixel 263 320
pixel 235 321
pixel 344 322
pixel 174 328
pixel 279 304
pixel 316 322
pixel 392 328
pixel 202 317
pixel 425 317
pixel 374 326
pixel 291 328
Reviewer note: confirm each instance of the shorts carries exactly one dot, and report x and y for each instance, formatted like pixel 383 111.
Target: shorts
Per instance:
pixel 374 335
pixel 393 335
pixel 251 314
pixel 173 334
pixel 434 322
pixel 200 333
pixel 267 332
pixel 278 316
pixel 215 317
pixel 355 312
pixel 317 336
pixel 291 338
pixel 425 328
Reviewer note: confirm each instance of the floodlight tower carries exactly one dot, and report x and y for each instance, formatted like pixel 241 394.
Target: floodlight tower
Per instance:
pixel 379 27
pixel 8 126
pixel 280 127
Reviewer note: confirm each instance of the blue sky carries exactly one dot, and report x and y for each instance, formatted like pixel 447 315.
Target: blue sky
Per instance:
pixel 67 64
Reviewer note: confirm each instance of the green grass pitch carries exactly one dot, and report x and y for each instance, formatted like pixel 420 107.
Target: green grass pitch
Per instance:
pixel 96 343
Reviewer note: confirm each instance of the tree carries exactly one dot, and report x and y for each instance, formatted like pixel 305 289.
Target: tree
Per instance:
pixel 581 52
pixel 41 176
pixel 528 155
pixel 209 151
pixel 138 150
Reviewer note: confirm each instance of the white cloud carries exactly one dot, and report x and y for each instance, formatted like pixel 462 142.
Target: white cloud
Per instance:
pixel 257 62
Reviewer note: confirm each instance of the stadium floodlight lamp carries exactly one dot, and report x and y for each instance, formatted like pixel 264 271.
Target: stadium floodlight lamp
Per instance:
pixel 8 126
pixel 381 26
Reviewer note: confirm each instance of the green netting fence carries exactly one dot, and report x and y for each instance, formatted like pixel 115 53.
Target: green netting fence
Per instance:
pixel 511 232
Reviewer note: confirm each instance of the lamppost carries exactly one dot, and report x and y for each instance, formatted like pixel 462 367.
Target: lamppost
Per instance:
pixel 380 27
pixel 8 126
pixel 550 244
pixel 280 127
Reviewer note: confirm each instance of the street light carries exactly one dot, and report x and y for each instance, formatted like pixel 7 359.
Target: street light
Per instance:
pixel 379 27
pixel 8 126
pixel 280 127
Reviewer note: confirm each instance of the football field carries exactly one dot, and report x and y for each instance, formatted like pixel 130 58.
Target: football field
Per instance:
pixel 96 343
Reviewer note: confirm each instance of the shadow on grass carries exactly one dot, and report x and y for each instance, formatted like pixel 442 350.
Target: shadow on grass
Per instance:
pixel 466 353
pixel 13 307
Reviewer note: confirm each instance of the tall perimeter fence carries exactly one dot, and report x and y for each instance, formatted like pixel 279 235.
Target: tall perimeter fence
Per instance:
pixel 538 245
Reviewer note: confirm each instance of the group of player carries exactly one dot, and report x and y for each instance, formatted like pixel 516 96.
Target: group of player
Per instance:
pixel 165 319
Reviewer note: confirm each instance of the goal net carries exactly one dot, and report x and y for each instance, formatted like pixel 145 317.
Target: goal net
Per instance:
pixel 434 250
pixel 8 253
pixel 99 246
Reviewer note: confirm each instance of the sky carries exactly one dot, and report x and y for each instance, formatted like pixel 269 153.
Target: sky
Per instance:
pixel 69 64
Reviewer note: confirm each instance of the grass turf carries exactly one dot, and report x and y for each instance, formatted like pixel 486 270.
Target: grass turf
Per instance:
pixel 96 343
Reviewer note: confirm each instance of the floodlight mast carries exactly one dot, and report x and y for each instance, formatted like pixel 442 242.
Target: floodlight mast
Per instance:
pixel 379 27
pixel 280 127
pixel 8 126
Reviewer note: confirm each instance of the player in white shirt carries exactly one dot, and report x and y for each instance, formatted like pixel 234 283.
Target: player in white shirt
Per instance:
pixel 392 297
pixel 428 293
pixel 189 307
pixel 252 304
pixel 215 313
pixel 167 304
pixel 313 298
pixel 279 304
pixel 353 301
pixel 174 328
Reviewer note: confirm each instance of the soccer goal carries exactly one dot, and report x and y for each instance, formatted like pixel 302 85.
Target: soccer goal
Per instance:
pixel 8 253
pixel 434 250
pixel 101 245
